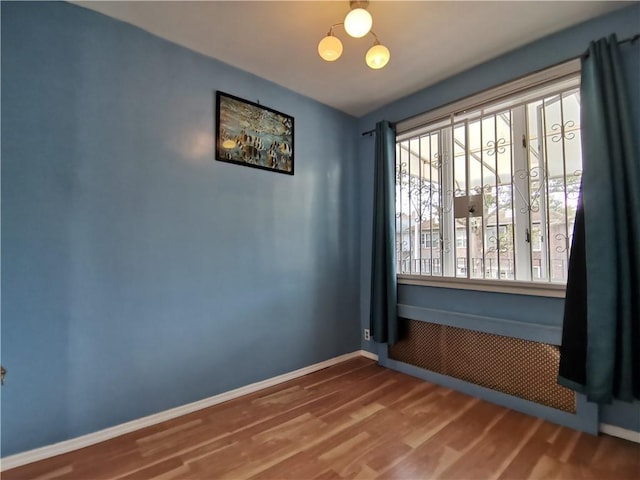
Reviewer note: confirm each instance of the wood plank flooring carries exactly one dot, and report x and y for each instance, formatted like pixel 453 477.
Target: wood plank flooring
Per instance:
pixel 353 420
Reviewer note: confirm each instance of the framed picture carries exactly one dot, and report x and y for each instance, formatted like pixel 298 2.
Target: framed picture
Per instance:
pixel 253 135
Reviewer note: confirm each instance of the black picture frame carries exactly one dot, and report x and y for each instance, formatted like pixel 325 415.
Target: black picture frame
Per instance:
pixel 253 135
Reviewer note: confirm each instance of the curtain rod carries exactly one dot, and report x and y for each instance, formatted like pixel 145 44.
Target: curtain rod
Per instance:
pixel 630 39
pixel 373 130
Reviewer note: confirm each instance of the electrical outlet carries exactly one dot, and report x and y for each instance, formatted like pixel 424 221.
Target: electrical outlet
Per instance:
pixel 367 334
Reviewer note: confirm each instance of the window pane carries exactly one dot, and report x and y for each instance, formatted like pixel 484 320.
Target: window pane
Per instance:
pixel 476 247
pixel 402 208
pixel 460 160
pixel 461 247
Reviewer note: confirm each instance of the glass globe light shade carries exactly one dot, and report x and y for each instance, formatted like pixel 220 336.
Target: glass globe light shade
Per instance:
pixel 330 48
pixel 377 56
pixel 358 22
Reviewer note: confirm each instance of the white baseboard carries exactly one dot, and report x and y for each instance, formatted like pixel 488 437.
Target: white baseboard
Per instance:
pixel 370 355
pixel 66 446
pixel 620 432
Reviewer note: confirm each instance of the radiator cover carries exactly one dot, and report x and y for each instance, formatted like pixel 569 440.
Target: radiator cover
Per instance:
pixel 514 366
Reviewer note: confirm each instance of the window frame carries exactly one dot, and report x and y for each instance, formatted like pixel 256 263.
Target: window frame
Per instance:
pixel 409 128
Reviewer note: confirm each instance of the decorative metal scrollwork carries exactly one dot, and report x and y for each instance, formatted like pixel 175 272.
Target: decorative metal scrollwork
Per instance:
pixel 497 146
pixel 565 240
pixel 534 176
pixel 401 172
pixel 563 131
pixel 437 161
pixel 493 241
pixel 447 201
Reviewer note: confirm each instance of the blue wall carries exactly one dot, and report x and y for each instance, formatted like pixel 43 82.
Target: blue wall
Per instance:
pixel 138 273
pixel 530 58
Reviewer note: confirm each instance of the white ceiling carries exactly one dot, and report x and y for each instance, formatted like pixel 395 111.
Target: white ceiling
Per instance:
pixel 429 41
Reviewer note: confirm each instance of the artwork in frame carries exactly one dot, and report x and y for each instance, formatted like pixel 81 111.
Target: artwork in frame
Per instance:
pixel 253 135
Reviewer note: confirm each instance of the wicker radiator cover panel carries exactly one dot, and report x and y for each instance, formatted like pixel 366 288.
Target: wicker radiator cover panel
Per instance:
pixel 517 367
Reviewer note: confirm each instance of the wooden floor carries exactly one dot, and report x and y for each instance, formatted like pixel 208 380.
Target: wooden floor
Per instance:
pixel 353 420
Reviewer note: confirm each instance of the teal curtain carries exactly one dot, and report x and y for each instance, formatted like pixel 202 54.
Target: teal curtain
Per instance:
pixel 600 353
pixel 384 285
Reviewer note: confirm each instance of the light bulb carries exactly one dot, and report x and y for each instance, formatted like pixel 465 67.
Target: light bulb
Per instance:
pixel 358 22
pixel 330 48
pixel 377 56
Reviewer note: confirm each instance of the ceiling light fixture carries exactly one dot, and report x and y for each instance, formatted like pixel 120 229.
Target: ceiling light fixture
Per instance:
pixel 330 47
pixel 357 24
pixel 358 21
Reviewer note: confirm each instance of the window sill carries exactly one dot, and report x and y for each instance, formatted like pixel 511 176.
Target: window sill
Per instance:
pixel 498 286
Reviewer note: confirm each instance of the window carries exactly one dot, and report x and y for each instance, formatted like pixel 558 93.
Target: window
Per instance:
pixel 461 265
pixel 536 238
pixel 429 239
pixel 461 237
pixel 435 262
pixel 492 188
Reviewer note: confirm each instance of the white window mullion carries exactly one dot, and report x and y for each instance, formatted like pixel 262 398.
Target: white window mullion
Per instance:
pixel 545 270
pixel 420 205
pixel 448 244
pixel 520 178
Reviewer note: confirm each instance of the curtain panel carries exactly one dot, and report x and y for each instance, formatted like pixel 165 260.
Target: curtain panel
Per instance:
pixel 600 352
pixel 384 284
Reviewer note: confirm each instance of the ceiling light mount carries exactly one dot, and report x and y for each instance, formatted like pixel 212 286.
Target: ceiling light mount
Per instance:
pixel 362 4
pixel 357 24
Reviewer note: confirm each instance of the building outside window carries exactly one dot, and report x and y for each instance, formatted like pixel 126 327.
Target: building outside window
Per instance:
pixel 429 239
